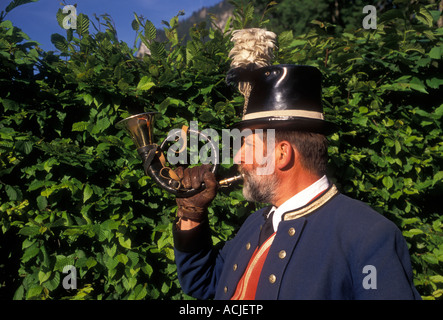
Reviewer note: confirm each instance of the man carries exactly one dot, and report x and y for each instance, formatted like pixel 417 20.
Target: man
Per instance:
pixel 312 242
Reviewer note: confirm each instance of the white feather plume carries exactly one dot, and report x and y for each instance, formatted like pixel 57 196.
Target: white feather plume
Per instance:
pixel 252 48
pixel 252 45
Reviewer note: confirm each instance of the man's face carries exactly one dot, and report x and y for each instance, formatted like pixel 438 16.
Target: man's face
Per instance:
pixel 255 160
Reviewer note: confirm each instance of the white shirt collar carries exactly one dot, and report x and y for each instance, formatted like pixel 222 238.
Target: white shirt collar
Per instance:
pixel 299 200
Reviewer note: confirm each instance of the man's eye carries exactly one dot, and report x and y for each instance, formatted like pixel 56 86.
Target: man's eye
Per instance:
pixel 246 142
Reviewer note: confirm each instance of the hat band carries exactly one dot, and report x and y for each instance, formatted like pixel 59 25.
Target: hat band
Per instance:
pixel 284 113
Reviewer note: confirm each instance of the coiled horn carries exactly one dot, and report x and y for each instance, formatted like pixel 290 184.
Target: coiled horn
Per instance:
pixel 140 128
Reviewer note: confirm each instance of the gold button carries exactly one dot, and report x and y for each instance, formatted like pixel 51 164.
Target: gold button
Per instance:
pixel 248 246
pixel 225 289
pixel 272 278
pixel 235 267
pixel 291 231
pixel 282 254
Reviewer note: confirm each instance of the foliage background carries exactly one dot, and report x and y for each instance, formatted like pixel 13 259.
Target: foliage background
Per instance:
pixel 72 189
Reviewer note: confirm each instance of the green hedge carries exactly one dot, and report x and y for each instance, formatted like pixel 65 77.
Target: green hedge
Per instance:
pixel 72 188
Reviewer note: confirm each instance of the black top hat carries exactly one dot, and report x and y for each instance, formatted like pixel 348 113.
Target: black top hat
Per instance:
pixel 284 97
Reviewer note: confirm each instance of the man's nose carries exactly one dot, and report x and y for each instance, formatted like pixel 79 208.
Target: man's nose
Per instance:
pixel 238 158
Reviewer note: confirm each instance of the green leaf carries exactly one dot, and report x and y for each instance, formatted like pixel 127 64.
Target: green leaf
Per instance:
pixel 91 262
pixel 139 292
pixel 285 38
pixel 80 126
pixel 412 232
pixel 425 16
pixel 150 31
pixel 101 125
pixel 43 276
pixel 9 104
pixel 53 282
pixel 387 182
pixel 11 192
pixel 29 231
pixel 436 52
pixel 42 202
pixel 147 268
pixel 82 25
pixel 87 193
pixel 410 221
pixel 47 166
pixel 59 42
pixel 437 177
pixel 89 99
pixel 158 51
pixel 397 146
pixel 122 258
pixel 391 15
pixel 129 283
pixel 15 3
pixel 24 146
pixel 145 83
pixel 124 243
pixel 418 85
pixel 30 252
pixel 169 253
pixel 135 25
pixel 434 83
pixel 34 292
pixel 19 293
pixel 429 258
pixel 110 251
pixel 60 16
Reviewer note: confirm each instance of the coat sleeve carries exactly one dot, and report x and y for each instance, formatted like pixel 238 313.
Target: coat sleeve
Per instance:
pixel 199 263
pixel 383 269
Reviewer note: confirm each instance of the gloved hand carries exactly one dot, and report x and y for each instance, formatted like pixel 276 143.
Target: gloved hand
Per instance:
pixel 195 207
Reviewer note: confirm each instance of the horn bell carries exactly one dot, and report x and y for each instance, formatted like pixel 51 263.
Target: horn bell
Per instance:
pixel 140 128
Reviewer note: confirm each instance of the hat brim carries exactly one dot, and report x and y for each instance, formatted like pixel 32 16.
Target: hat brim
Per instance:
pixel 289 123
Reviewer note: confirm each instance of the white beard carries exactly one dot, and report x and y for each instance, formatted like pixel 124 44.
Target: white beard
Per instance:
pixel 259 188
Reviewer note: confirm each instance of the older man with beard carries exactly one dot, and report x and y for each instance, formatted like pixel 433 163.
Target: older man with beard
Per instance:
pixel 311 242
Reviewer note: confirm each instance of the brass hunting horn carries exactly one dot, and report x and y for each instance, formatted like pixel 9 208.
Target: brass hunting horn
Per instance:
pixel 140 127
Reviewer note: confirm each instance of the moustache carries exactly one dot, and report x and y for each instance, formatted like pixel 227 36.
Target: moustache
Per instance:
pixel 244 173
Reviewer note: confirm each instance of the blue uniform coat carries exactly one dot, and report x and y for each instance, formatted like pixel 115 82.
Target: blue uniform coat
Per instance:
pixel 339 248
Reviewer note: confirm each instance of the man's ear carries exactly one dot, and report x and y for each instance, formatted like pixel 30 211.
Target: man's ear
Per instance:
pixel 284 155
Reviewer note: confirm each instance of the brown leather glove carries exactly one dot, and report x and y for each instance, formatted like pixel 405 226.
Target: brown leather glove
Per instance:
pixel 195 207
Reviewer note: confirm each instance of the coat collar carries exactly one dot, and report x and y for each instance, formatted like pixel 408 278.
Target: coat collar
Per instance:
pixel 300 199
pixel 313 205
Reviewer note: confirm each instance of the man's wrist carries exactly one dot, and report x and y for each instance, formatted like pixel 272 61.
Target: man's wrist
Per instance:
pixel 196 214
pixel 192 240
pixel 187 224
